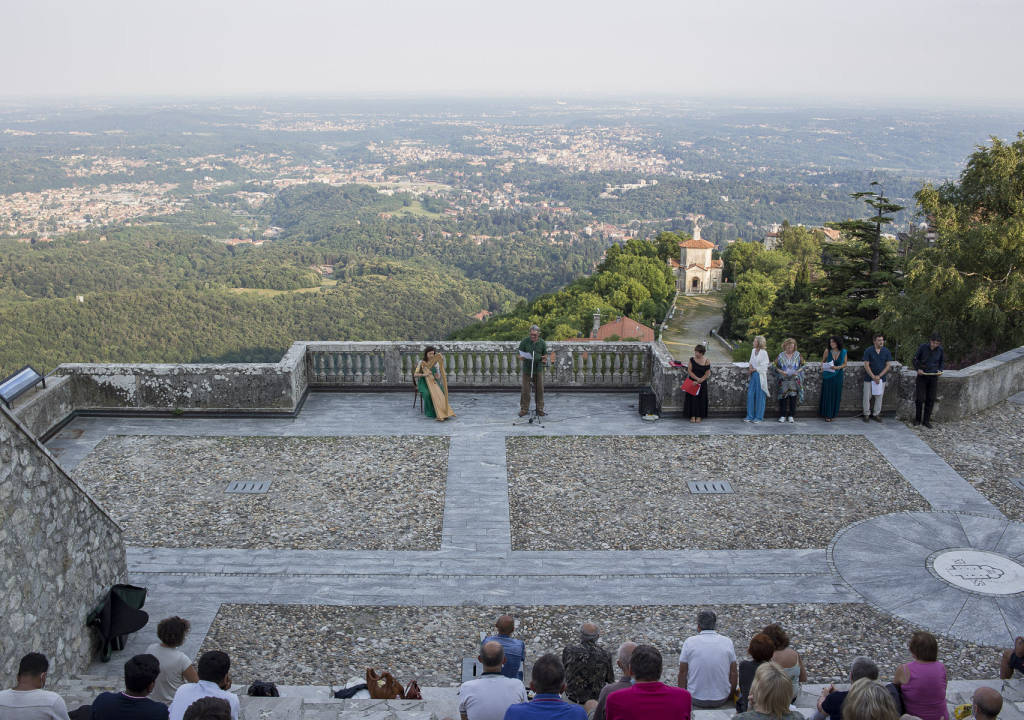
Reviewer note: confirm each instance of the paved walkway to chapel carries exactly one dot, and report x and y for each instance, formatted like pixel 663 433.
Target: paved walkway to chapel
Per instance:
pixel 922 566
pixel 691 324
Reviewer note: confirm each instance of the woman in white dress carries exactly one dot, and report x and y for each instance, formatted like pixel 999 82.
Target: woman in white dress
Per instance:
pixel 757 384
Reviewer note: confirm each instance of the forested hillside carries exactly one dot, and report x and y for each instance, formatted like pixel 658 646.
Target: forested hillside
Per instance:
pixel 168 325
pixel 634 279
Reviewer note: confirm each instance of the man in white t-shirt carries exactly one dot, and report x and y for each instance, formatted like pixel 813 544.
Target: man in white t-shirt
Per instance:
pixel 491 694
pixel 707 664
pixel 27 700
pixel 214 681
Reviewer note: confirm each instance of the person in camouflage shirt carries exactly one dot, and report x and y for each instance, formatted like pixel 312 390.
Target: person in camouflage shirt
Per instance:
pixel 588 666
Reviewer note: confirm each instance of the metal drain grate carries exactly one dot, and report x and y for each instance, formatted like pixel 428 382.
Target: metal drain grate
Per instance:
pixel 249 487
pixel 718 487
pixel 1019 482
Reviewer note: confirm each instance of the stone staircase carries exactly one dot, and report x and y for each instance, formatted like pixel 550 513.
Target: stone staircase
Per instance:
pixel 314 702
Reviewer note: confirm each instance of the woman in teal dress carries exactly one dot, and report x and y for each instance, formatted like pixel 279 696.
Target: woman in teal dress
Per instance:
pixel 832 378
pixel 433 385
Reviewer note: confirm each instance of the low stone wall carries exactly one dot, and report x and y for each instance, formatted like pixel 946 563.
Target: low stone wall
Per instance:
pixel 250 387
pixel 960 392
pixel 59 553
pixel 44 408
pixel 727 389
pixel 971 390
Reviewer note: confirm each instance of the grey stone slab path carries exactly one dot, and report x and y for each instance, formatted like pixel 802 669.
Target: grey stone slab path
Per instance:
pixel 938 483
pixel 476 511
pixel 476 565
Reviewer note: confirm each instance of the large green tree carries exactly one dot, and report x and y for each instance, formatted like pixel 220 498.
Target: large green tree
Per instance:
pixel 749 305
pixel 970 285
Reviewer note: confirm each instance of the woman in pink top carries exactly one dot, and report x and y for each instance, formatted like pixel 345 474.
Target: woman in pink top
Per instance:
pixel 922 682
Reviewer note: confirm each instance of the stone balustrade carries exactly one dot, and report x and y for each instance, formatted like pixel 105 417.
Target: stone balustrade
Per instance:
pixel 599 365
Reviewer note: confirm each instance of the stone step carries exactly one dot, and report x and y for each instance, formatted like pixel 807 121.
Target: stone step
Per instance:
pixel 315 702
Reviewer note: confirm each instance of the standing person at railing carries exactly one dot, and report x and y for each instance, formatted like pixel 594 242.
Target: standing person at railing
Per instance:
pixel 533 356
pixel 433 385
pixel 928 362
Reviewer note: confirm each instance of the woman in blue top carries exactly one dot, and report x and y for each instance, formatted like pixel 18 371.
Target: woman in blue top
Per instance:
pixel 832 378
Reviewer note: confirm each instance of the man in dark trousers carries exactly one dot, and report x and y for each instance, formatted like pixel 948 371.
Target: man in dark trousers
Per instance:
pixel 928 361
pixel 532 354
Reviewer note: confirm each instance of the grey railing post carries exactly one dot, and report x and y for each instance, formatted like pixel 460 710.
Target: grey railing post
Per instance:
pixel 392 364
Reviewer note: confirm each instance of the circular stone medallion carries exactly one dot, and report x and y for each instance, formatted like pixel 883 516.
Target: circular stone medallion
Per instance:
pixel 978 571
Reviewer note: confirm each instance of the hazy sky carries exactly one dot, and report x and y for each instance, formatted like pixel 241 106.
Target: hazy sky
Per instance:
pixel 950 51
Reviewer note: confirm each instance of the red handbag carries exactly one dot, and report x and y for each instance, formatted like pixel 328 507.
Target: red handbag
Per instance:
pixel 691 387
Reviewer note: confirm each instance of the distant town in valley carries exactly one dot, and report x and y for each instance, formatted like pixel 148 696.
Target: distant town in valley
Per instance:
pixel 616 170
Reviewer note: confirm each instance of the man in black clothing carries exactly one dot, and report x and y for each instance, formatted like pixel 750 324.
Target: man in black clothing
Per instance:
pixel 928 361
pixel 139 678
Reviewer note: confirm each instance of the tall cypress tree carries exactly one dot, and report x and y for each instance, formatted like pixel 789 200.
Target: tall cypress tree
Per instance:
pixel 856 271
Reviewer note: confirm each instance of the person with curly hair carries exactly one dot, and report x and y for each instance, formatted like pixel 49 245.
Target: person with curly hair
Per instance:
pixel 176 667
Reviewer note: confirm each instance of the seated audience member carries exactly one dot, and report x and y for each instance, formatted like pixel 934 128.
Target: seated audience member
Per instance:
pixel 490 695
pixel 986 704
pixel 208 708
pixel 1012 660
pixel 786 657
pixel 770 695
pixel 515 649
pixel 869 700
pixel 140 673
pixel 588 666
pixel 648 698
pixel 922 681
pixel 760 650
pixel 707 664
pixel 625 653
pixel 214 681
pixel 547 680
pixel 830 702
pixel 27 700
pixel 175 666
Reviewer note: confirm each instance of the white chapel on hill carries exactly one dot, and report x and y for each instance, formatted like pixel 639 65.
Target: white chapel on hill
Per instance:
pixel 698 273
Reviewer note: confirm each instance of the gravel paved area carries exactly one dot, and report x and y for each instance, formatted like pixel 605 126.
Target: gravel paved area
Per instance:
pixel 630 493
pixel 352 493
pixel 987 449
pixel 309 644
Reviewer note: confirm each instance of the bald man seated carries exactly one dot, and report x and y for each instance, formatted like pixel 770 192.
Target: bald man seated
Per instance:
pixel 986 703
pixel 490 695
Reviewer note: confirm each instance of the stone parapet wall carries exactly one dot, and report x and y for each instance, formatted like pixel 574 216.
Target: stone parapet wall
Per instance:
pixel 44 408
pixel 280 387
pixel 728 390
pixel 960 392
pixel 252 387
pixel 59 553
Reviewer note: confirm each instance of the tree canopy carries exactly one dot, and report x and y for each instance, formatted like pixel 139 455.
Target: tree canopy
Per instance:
pixel 968 286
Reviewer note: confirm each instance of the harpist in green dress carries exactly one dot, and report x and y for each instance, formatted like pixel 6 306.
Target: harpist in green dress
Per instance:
pixel 832 381
pixel 433 385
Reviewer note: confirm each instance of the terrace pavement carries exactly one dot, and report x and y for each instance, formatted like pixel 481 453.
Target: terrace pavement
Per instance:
pixel 476 565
